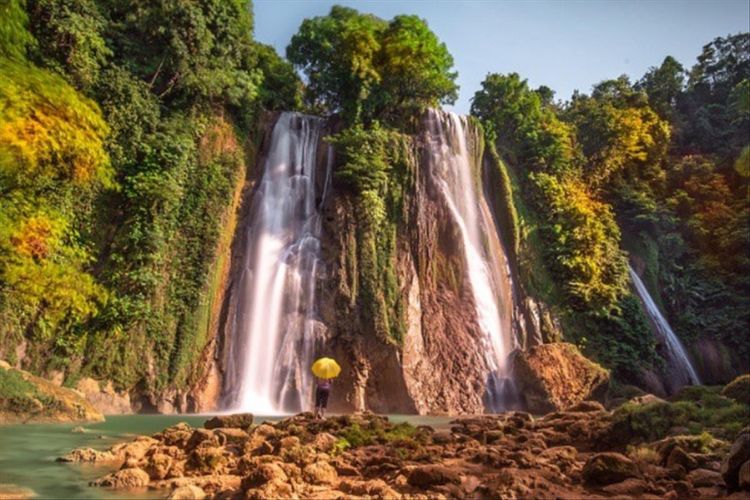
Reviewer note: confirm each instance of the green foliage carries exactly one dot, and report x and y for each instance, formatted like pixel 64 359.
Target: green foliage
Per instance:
pixel 367 68
pixel 377 170
pixel 14 37
pixel 355 436
pixel 282 88
pixel 70 38
pixel 652 421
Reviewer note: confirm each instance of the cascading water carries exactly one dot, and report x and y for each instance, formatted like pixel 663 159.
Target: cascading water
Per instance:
pixel 682 371
pixel 273 331
pixel 487 267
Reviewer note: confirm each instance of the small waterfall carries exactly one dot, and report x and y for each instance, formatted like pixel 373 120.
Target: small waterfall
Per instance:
pixel 274 326
pixel 487 267
pixel 682 371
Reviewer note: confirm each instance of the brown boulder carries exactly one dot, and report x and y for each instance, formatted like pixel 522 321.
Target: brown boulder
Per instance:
pixel 704 477
pixel 158 466
pixel 239 421
pixel 87 455
pixel 206 460
pixel 552 377
pixel 607 468
pixel 743 477
pixel 629 487
pixel 738 454
pixel 586 407
pixel 320 473
pixel 425 476
pixel 262 474
pixel 324 441
pixel 678 456
pixel 188 492
pixel 124 479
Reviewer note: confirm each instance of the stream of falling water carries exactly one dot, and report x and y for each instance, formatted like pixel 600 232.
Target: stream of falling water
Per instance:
pixel 273 329
pixel 487 267
pixel 682 371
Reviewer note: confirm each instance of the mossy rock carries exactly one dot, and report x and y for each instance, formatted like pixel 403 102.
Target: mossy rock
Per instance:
pixel 738 389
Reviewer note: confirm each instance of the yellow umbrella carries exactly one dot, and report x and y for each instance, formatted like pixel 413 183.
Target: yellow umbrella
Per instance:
pixel 326 368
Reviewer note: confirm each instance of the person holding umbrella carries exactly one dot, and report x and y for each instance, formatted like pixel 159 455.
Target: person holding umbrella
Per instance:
pixel 324 369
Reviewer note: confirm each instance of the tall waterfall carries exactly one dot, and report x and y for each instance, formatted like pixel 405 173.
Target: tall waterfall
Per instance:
pixel 274 323
pixel 487 266
pixel 682 372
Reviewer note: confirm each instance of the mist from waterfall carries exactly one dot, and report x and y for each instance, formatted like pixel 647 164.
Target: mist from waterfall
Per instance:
pixel 486 263
pixel 273 338
pixel 682 371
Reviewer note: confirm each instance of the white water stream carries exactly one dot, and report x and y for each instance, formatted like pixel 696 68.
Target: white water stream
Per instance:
pixel 682 371
pixel 487 267
pixel 274 325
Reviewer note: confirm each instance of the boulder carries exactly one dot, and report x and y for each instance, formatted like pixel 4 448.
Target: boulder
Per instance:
pixel 743 477
pixel 425 476
pixel 553 377
pixel 703 477
pixel 320 473
pixel 738 389
pixel 189 492
pixel 629 487
pixel 158 466
pixel 124 479
pixel 678 456
pixel 324 441
pixel 607 468
pixel 206 460
pixel 87 455
pixel 238 420
pixel 262 474
pixel 738 454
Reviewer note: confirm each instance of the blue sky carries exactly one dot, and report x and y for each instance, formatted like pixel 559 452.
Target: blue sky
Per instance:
pixel 565 45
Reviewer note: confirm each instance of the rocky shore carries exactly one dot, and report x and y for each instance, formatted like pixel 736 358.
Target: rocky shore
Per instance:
pixel 584 451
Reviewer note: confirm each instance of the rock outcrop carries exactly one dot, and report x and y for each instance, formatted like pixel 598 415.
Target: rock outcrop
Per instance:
pixel 556 376
pixel 512 455
pixel 26 398
pixel 105 399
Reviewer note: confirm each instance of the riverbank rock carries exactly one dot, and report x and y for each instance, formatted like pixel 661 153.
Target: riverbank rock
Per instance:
pixel 738 456
pixel 607 468
pixel 509 455
pixel 105 399
pixel 553 377
pixel 239 421
pixel 25 398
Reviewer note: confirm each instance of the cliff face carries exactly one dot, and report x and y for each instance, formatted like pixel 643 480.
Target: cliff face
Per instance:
pixel 440 365
pixel 439 362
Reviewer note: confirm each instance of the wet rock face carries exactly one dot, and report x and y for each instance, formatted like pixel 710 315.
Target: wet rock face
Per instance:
pixel 556 376
pixel 104 397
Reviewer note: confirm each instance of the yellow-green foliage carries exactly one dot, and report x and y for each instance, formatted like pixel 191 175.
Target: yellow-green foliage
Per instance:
pixel 48 130
pixel 52 157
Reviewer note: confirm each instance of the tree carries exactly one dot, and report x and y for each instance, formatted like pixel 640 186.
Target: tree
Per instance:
pixel 415 68
pixel 337 53
pixel 663 85
pixel 367 69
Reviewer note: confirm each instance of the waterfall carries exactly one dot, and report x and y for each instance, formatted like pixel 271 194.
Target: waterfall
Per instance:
pixel 274 325
pixel 683 372
pixel 488 271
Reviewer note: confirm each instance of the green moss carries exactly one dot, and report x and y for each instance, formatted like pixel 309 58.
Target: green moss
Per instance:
pixel 720 417
pixel 738 389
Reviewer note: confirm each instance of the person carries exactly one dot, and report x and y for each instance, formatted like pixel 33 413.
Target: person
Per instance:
pixel 322 391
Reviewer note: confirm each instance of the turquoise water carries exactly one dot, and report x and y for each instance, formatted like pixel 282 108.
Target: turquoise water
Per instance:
pixel 28 452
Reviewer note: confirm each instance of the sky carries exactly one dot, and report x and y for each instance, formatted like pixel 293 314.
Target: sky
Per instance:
pixel 566 45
